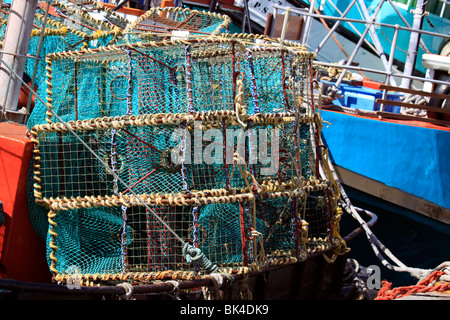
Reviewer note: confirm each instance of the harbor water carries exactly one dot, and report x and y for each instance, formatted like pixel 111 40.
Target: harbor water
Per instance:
pixel 417 241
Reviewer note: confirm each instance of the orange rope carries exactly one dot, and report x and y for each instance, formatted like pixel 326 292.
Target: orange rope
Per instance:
pixel 386 293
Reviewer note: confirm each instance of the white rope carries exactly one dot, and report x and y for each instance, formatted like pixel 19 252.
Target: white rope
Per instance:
pixel 176 289
pixel 128 290
pixel 375 243
pixel 212 292
pixel 445 266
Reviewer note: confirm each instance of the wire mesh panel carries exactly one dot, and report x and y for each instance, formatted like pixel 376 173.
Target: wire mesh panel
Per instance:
pixel 172 77
pixel 136 154
pixel 89 17
pixel 190 156
pixel 158 23
pixel 167 159
pixel 66 29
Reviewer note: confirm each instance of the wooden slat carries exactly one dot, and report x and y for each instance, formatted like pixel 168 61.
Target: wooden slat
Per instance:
pixel 422 93
pixel 393 195
pixel 410 117
pixel 411 105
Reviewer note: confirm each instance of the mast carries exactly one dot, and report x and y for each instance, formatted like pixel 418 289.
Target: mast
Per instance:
pixel 413 44
pixel 15 48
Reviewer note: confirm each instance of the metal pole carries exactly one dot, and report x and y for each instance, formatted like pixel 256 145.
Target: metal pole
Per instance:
pixel 335 26
pixel 390 63
pixel 375 39
pixel 308 22
pixel 413 44
pixel 17 39
pixel 358 45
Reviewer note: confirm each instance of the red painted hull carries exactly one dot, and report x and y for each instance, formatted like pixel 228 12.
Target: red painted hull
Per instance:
pixel 22 252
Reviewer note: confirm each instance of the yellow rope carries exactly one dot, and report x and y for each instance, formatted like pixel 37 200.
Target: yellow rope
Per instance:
pixel 341 247
pixel 52 245
pixel 195 197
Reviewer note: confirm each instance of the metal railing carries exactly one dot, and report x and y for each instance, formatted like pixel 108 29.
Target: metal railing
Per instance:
pixel 370 23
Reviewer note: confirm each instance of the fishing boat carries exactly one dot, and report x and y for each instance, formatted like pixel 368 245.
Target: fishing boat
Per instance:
pixel 375 155
pixel 435 18
pixel 385 117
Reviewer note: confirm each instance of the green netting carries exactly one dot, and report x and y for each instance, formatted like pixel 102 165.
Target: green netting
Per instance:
pixel 3 25
pixel 75 240
pixel 144 158
pixel 68 168
pixel 147 246
pixel 61 34
pixel 37 213
pixel 199 142
pixel 166 79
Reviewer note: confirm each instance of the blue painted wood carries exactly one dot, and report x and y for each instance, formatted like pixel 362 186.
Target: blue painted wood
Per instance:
pixel 413 159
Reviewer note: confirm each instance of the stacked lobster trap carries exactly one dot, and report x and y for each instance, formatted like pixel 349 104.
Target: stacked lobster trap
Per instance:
pixel 182 157
pixel 159 23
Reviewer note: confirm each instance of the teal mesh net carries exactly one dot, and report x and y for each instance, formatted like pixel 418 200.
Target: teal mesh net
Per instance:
pixel 67 28
pixel 156 152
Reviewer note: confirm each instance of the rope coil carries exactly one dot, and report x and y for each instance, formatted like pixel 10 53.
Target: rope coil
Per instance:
pixel 429 284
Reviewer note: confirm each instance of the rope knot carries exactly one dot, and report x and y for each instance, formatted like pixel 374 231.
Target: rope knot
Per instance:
pixel 191 254
pixel 195 255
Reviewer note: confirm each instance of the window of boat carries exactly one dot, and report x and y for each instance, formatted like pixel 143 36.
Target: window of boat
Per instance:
pixel 405 4
pixel 440 8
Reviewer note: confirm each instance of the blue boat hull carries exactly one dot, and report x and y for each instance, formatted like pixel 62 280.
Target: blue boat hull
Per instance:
pixel 403 163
